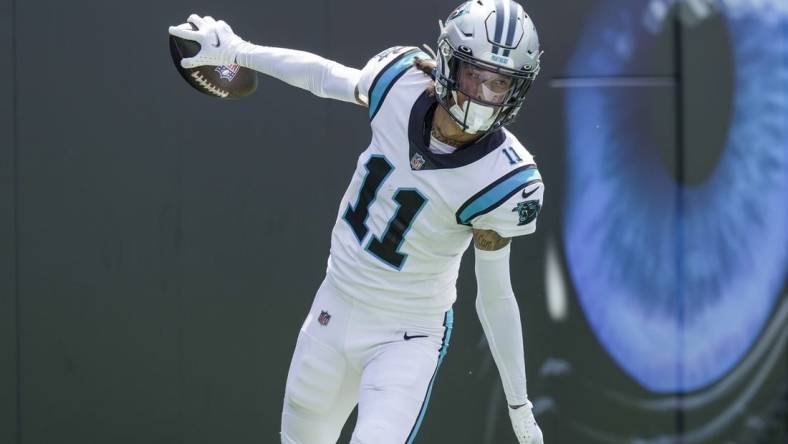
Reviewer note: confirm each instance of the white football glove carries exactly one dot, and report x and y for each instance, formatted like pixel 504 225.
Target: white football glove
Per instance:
pixel 524 424
pixel 218 43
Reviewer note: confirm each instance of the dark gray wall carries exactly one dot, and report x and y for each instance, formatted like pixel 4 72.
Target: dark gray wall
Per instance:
pixel 170 244
pixel 98 188
pixel 8 325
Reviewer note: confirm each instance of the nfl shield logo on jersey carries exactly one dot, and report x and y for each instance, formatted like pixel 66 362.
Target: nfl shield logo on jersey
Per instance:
pixel 324 318
pixel 228 72
pixel 417 161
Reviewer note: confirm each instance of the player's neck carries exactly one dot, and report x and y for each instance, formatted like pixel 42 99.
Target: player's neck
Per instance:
pixel 445 129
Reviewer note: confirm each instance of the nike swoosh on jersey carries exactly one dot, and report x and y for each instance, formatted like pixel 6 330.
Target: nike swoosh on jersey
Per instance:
pixel 526 195
pixel 408 338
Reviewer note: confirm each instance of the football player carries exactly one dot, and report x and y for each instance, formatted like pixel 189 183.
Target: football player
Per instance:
pixel 441 170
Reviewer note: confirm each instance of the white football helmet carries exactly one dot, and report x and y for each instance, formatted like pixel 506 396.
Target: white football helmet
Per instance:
pixel 488 57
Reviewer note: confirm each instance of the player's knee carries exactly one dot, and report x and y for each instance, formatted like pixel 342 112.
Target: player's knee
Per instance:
pixel 310 398
pixel 305 401
pixel 376 432
pixel 288 440
pixel 314 384
pixel 367 433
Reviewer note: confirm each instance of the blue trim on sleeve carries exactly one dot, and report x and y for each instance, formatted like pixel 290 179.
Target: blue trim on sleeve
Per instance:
pixel 388 76
pixel 497 193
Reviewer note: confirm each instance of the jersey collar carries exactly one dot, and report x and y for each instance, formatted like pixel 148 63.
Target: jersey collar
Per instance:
pixel 419 128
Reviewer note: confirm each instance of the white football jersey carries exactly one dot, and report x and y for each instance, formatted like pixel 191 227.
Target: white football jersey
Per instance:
pixel 408 214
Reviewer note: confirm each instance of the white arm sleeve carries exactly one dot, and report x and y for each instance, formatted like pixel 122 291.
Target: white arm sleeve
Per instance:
pixel 322 77
pixel 500 318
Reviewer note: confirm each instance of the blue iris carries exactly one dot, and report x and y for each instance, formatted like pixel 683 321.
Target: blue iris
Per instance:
pixel 677 281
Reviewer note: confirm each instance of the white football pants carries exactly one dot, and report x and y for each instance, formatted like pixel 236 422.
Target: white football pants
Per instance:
pixel 347 354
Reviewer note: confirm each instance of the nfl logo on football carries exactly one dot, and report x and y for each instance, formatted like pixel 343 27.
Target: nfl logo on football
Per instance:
pixel 228 72
pixel 324 318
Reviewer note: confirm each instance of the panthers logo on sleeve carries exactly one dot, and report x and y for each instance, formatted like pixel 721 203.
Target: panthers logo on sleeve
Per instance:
pixel 529 209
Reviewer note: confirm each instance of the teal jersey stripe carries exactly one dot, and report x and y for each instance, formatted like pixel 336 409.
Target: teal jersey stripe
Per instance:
pixel 389 76
pixel 497 193
pixel 447 338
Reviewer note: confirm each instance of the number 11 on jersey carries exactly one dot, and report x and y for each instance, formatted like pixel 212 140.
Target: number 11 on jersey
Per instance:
pixel 410 201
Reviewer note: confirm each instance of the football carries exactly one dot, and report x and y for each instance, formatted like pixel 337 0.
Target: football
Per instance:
pixel 224 82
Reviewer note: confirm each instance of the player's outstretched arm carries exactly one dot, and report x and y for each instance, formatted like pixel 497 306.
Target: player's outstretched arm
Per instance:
pixel 219 45
pixel 499 314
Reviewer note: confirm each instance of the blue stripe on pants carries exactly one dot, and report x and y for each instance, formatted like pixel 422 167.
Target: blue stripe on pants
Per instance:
pixel 449 324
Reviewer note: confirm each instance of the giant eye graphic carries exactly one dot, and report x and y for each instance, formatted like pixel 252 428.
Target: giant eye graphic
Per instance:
pixel 677 281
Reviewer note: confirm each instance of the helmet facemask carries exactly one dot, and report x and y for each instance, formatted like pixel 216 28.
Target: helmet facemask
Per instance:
pixel 480 97
pixel 488 57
